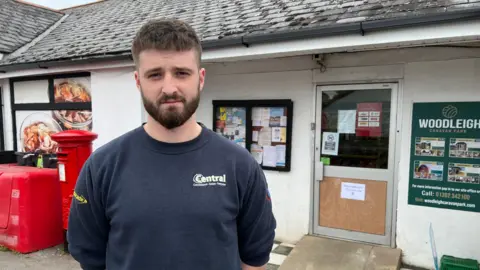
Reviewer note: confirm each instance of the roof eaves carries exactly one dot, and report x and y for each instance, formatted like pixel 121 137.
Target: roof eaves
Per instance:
pixel 361 27
pixel 249 39
pixel 90 59
pixel 459 15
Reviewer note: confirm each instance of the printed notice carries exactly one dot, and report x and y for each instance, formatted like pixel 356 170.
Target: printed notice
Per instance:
pixel 369 120
pixel 330 143
pixel 283 121
pixel 276 134
pixel 269 156
pixel 61 172
pixel 256 117
pixel 353 191
pixel 276 116
pixel 346 121
pixel 257 153
pixel 265 117
pixel 255 136
pixel 445 147
pixel 279 134
pixel 281 149
pixel 265 136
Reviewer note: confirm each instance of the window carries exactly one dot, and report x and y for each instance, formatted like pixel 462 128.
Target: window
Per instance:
pixel 361 118
pixel 45 105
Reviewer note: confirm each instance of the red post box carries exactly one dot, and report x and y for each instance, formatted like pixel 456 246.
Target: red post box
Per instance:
pixel 74 148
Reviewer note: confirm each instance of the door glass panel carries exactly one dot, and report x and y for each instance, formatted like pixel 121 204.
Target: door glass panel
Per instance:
pixel 362 120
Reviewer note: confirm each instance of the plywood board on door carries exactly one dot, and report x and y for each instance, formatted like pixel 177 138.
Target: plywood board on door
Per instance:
pixel 367 216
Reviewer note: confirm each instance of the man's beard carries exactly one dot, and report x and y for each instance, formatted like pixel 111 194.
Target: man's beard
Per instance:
pixel 171 117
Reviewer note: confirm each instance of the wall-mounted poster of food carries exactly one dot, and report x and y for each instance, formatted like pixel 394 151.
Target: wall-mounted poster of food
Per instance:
pixel 74 119
pixel 34 128
pixel 72 90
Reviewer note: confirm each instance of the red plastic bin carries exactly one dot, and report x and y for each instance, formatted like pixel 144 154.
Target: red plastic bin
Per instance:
pixel 30 208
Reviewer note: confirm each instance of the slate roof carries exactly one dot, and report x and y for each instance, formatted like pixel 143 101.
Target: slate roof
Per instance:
pixel 21 22
pixel 108 27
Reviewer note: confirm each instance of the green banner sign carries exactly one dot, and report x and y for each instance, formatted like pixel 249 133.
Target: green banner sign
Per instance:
pixel 445 156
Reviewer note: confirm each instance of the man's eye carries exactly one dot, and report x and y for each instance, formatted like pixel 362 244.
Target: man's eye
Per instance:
pixel 154 75
pixel 182 73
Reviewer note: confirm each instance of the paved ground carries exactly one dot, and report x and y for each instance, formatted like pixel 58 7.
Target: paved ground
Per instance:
pixel 312 253
pixel 56 259
pixel 48 259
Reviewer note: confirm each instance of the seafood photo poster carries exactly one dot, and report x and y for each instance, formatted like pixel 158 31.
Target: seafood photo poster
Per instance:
pixel 72 90
pixel 34 128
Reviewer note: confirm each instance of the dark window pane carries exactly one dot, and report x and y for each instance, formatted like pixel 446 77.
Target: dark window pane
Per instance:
pixel 362 119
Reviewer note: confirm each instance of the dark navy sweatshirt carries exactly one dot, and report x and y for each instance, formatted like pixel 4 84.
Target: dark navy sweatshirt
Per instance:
pixel 144 204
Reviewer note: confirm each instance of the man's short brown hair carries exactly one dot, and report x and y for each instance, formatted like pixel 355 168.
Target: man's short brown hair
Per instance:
pixel 166 35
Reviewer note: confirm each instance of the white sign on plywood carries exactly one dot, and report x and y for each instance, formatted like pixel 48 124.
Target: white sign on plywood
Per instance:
pixel 353 191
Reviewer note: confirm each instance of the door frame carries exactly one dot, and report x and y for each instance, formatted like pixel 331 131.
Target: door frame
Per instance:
pixel 396 104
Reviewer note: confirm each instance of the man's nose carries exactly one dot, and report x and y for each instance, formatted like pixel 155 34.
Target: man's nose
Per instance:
pixel 169 84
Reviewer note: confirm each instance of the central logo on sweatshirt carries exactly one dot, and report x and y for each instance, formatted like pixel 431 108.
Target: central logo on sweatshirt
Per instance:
pixel 200 180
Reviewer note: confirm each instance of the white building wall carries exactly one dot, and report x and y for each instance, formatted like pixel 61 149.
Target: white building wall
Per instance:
pixel 456 232
pixel 7 115
pixel 116 104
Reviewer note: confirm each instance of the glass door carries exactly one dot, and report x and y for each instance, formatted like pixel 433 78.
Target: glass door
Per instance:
pixel 355 161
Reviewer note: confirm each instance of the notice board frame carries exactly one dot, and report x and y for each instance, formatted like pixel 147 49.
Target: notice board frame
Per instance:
pixel 249 105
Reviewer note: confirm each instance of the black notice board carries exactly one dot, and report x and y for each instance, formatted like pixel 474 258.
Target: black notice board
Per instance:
pixel 263 127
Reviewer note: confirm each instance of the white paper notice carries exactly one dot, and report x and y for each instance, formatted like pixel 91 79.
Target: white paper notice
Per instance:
pixel 256 117
pixel 269 156
pixel 61 172
pixel 257 153
pixel 346 121
pixel 241 131
pixel 265 136
pixel 276 134
pixel 281 149
pixel 265 117
pixel 283 121
pixel 330 143
pixel 353 191
pixel 255 136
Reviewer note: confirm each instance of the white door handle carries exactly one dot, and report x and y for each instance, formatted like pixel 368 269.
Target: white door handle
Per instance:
pixel 318 171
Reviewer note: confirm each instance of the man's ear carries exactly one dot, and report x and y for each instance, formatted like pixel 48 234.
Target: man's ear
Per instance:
pixel 202 78
pixel 137 79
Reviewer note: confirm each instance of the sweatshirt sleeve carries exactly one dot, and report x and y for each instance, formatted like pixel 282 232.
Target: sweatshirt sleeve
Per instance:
pixel 256 222
pixel 87 224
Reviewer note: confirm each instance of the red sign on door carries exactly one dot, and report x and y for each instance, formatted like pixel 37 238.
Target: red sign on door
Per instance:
pixel 369 119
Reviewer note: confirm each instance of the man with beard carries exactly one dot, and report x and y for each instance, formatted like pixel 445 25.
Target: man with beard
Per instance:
pixel 170 194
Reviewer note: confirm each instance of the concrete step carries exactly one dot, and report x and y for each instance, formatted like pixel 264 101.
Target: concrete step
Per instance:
pixel 317 253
